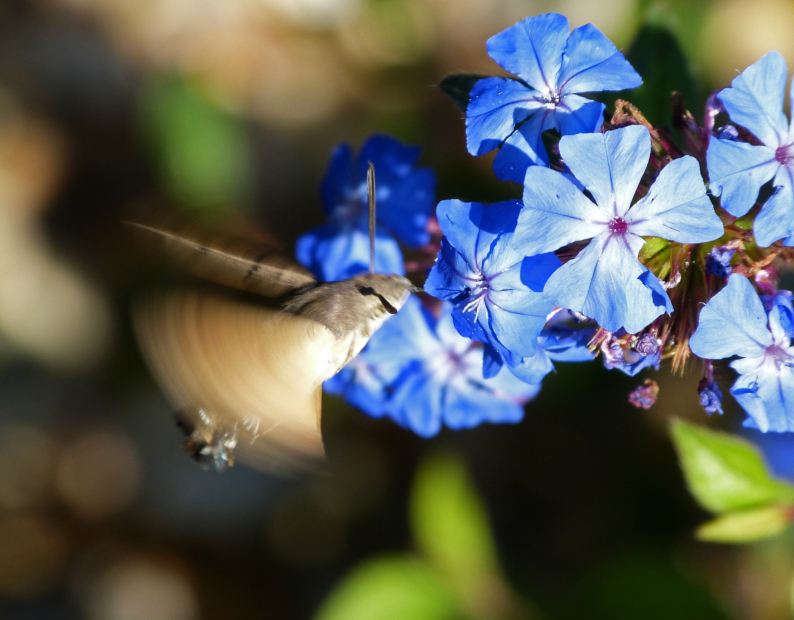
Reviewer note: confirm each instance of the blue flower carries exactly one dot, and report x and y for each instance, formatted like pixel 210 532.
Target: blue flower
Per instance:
pixel 606 281
pixel 421 373
pixel 405 199
pixel 554 65
pixel 737 170
pixel 497 292
pixel 734 322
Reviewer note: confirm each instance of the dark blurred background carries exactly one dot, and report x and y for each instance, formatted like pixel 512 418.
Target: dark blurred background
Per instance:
pixel 227 109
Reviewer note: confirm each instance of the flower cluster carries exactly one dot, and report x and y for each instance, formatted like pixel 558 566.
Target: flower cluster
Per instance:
pixel 618 247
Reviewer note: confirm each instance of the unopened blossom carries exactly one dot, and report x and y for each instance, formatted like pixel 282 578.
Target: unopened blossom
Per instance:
pixel 644 396
pixel 710 396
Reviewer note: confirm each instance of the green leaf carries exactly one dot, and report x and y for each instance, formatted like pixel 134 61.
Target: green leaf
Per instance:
pixel 203 154
pixel 726 473
pixel 457 87
pixel 746 525
pixel 449 522
pixel 390 588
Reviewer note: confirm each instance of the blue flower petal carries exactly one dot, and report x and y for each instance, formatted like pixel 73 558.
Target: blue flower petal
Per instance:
pixel 386 152
pixel 609 165
pixel 783 302
pixel 737 171
pixel 496 106
pixel 676 207
pixel 576 114
pixel 563 344
pixel 532 369
pixel 755 99
pixel 733 322
pixel 745 391
pixel 555 214
pixel 536 270
pixel 592 63
pixel 517 323
pixel 460 222
pixel 776 219
pixel 532 49
pixel 607 283
pixel 473 324
pixel 779 320
pixel 332 254
pixel 774 388
pixel 451 275
pixel 525 148
pixel 517 309
pixel 418 402
pixel 507 386
pixel 362 386
pixel 467 407
pixel 492 362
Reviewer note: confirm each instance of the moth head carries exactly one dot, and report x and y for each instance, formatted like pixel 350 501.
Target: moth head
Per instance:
pixel 392 291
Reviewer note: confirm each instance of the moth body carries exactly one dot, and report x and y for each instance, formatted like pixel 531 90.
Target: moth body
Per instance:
pixel 352 310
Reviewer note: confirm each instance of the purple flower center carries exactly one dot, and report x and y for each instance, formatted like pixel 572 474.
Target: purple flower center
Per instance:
pixel 785 155
pixel 779 354
pixel 618 226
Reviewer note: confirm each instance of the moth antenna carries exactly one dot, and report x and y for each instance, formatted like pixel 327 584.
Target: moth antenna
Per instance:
pixel 371 207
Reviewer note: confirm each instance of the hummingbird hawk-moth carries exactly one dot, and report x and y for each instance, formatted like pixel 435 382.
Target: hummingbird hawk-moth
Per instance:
pixel 246 378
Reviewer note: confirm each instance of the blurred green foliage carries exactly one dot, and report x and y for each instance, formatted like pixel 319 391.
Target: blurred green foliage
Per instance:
pixel 390 588
pixel 728 476
pixel 202 153
pixel 458 575
pixel 450 525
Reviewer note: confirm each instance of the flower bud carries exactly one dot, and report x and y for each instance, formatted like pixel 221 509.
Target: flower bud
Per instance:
pixel 644 396
pixel 710 396
pixel 718 261
pixel 647 344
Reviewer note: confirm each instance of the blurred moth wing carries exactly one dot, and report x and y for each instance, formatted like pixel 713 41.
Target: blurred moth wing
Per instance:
pixel 233 261
pixel 255 374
